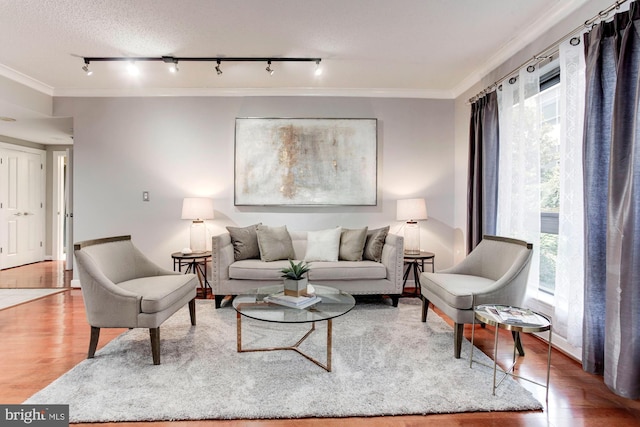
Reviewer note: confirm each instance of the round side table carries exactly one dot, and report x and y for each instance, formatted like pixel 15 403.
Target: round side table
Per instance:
pixel 196 263
pixel 514 319
pixel 415 263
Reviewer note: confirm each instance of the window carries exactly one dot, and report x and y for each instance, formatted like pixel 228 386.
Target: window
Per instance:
pixel 549 175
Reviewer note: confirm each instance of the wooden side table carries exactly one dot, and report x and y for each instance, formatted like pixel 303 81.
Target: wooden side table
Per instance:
pixel 196 263
pixel 415 263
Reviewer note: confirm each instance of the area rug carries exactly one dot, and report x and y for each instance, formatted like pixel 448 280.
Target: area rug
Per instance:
pixel 13 297
pixel 385 362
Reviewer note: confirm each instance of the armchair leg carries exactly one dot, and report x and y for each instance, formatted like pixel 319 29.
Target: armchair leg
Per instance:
pixel 458 333
pixel 518 343
pixel 425 308
pixel 192 311
pixel 93 342
pixel 154 333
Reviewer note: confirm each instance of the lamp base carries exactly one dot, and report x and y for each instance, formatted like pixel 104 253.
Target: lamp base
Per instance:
pixel 412 238
pixel 198 237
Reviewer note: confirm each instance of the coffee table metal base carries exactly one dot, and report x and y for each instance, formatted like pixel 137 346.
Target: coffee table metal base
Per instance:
pixel 295 347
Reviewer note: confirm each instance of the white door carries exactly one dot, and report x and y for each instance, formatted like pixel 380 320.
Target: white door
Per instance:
pixel 21 207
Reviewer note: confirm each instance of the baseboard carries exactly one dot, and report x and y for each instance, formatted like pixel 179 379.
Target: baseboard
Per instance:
pixel 75 283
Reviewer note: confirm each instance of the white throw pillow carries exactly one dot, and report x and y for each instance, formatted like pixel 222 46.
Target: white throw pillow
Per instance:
pixel 323 245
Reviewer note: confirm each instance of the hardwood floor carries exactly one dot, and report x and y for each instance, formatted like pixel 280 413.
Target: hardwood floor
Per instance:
pixel 43 339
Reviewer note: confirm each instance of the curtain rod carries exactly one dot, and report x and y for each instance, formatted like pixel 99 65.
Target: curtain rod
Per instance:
pixel 544 54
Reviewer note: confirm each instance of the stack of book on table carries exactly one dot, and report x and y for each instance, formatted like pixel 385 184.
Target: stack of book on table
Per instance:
pixel 303 301
pixel 514 315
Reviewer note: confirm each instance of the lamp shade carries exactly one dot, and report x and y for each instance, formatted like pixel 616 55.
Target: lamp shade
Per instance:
pixel 411 209
pixel 197 208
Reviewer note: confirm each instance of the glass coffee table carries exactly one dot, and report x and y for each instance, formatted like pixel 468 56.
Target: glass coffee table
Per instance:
pixel 334 303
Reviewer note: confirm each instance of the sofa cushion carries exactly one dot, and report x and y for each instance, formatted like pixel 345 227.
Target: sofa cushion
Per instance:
pixel 275 243
pixel 352 244
pixel 251 269
pixel 323 245
pixel 455 289
pixel 160 292
pixel 374 244
pixel 245 242
pixel 347 270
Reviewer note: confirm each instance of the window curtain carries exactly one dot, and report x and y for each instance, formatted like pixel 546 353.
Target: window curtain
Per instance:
pixel 483 169
pixel 612 203
pixel 519 158
pixel 569 281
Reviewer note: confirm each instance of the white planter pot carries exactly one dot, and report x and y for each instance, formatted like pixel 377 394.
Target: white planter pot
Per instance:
pixel 295 287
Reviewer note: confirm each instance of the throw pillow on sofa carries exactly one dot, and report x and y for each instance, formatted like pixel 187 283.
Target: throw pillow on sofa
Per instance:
pixel 323 245
pixel 245 242
pixel 374 244
pixel 352 244
pixel 274 243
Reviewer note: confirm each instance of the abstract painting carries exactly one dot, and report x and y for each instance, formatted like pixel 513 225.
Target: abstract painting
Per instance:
pixel 305 162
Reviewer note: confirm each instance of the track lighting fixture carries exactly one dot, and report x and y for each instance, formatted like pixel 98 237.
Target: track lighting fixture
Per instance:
pixel 173 62
pixel 86 69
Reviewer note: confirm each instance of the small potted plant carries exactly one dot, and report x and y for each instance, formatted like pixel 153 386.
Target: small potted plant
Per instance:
pixel 295 281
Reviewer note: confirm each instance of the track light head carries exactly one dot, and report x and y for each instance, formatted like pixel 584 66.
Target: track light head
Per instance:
pixel 318 70
pixel 86 69
pixel 269 69
pixel 173 63
pixel 218 70
pixel 133 68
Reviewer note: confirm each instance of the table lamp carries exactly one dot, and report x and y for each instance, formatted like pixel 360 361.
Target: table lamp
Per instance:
pixel 412 211
pixel 197 209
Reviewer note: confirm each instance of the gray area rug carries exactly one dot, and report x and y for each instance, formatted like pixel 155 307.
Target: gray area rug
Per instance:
pixel 385 362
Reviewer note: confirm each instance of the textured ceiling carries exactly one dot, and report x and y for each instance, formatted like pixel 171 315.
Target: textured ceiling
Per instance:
pixel 426 48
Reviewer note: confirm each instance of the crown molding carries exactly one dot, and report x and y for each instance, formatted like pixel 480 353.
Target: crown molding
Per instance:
pixel 25 80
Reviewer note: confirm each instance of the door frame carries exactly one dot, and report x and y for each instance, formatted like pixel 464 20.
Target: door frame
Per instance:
pixel 58 210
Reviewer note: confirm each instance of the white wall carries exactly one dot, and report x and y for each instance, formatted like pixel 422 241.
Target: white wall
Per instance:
pixel 175 147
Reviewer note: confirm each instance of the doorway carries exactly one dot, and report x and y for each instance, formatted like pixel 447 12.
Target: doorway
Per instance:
pixel 61 212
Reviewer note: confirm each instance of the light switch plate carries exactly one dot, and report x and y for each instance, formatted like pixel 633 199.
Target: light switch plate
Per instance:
pixel 145 196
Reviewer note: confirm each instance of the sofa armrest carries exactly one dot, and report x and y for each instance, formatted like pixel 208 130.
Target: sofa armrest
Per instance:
pixel 393 259
pixel 221 258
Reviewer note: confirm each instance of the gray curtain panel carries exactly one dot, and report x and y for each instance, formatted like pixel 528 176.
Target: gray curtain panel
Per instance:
pixel 612 203
pixel 482 189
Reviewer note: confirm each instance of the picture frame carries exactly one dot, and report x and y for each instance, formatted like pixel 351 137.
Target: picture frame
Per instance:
pixel 305 162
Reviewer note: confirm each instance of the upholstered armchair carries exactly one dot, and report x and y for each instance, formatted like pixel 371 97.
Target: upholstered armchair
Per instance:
pixel 122 288
pixel 495 272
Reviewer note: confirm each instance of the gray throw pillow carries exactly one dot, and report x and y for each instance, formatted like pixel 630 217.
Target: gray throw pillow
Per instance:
pixel 352 244
pixel 374 244
pixel 275 243
pixel 245 242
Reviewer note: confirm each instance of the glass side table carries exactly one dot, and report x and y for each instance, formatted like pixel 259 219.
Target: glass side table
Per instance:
pixel 514 319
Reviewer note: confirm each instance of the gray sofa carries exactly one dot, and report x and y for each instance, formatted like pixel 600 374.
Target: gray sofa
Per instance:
pixel 232 277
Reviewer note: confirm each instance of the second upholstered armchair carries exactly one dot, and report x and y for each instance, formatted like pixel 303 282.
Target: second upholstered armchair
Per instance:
pixel 495 272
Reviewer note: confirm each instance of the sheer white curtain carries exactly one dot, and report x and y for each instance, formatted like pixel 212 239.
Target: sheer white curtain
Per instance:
pixel 519 172
pixel 569 289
